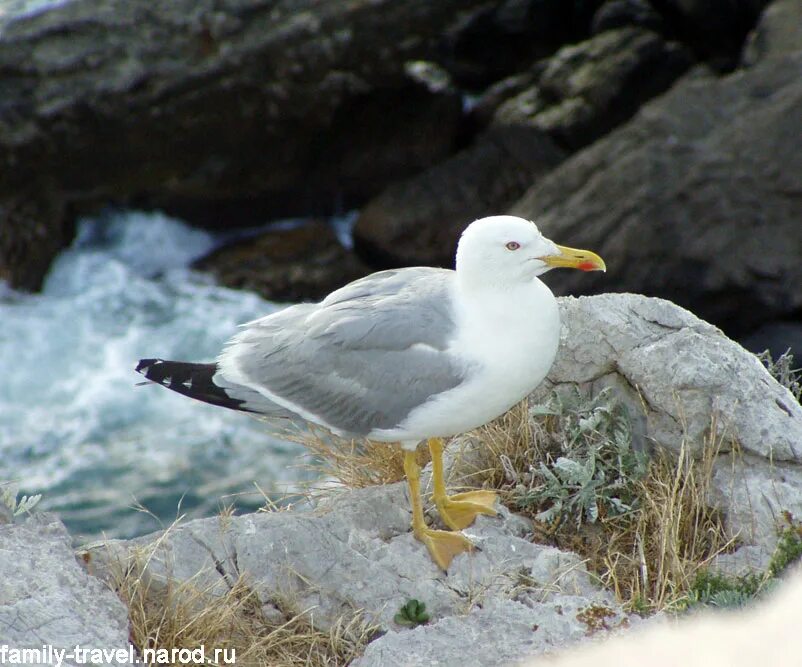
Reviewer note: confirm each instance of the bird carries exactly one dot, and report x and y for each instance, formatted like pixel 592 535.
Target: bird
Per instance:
pixel 404 356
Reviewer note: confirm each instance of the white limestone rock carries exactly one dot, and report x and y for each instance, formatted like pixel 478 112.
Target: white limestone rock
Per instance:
pixel 498 634
pixel 678 371
pixel 361 554
pixel 48 599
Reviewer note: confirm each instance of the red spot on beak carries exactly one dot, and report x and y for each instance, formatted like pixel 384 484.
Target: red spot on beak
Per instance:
pixel 586 266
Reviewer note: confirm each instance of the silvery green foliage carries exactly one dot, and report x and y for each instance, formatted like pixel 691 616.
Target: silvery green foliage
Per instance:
pixel 11 506
pixel 590 466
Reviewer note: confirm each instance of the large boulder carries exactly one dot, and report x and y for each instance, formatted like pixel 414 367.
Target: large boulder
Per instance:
pixel 586 89
pixel 697 199
pixel 688 386
pixel 221 111
pixel 691 392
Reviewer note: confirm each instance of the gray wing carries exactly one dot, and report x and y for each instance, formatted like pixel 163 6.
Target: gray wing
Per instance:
pixel 361 359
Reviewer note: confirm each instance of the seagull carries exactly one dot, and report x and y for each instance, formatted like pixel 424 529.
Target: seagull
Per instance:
pixel 403 356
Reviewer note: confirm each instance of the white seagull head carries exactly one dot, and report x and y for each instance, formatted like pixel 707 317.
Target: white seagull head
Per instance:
pixel 505 250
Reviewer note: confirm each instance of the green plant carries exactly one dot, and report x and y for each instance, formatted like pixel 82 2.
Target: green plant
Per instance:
pixel 413 613
pixel 12 505
pixel 719 590
pixel 788 549
pixel 592 469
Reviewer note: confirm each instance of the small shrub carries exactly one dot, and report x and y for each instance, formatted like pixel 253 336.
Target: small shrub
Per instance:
pixel 719 590
pixel 591 471
pixel 413 613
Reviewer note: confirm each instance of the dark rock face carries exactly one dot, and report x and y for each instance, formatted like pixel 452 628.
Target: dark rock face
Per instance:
pixel 506 37
pixel 294 105
pixel 626 13
pixel 303 263
pixel 587 89
pixel 420 220
pixel 578 94
pixel 714 29
pixel 231 113
pixel 32 231
pixel 697 199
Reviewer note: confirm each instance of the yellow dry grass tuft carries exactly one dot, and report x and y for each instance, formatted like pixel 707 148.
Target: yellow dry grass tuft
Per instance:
pixel 653 557
pixel 168 615
pixel 355 464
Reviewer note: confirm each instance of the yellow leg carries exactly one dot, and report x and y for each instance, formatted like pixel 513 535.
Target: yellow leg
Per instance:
pixel 442 545
pixel 460 510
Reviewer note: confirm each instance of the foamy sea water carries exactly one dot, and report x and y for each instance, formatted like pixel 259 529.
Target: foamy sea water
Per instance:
pixel 73 424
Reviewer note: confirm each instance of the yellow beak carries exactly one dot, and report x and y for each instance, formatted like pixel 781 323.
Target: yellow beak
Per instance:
pixel 571 258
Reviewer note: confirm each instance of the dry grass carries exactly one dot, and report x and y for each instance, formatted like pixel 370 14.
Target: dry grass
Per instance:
pixel 170 615
pixel 654 556
pixel 355 464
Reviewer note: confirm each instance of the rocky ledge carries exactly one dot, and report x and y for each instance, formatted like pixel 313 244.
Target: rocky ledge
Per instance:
pixel 510 599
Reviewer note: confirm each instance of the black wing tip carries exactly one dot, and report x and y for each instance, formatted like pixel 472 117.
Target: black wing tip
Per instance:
pixel 144 365
pixel 190 379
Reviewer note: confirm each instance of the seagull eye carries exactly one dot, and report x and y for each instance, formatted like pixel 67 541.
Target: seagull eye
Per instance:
pixel 513 245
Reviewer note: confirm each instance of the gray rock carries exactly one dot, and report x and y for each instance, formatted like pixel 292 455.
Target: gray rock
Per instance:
pixel 681 377
pixel 497 634
pixel 678 372
pixel 358 552
pixel 746 560
pixel 47 598
pixel 755 493
pixel 589 88
pixel 697 199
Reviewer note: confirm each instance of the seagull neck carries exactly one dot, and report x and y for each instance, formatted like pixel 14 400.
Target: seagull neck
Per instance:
pixel 491 292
